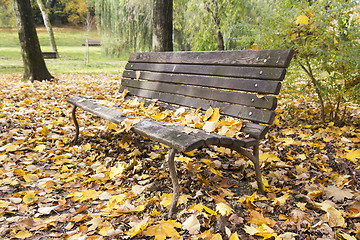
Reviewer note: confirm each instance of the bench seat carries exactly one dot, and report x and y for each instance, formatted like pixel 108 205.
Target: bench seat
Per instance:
pixel 172 136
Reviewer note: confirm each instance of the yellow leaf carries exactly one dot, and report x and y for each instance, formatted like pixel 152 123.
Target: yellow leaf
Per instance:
pixel 302 20
pixel 333 216
pixel 215 116
pixel 45 130
pixel 210 211
pixel 309 11
pixel 257 218
pixel 40 148
pixel 138 228
pixel 208 113
pixel 185 159
pixel 281 200
pixel 216 172
pixel 11 147
pixel 216 237
pixel 118 170
pixel 192 224
pixel 210 126
pixel 347 236
pixel 106 229
pixel 224 209
pixel 251 230
pixel 23 234
pixel 29 198
pixel 137 73
pixel 353 155
pixel 79 217
pixel 234 236
pixel 266 232
pixel 31 178
pixel 163 230
pixel 94 237
pixel 87 147
pixel 95 222
pixel 269 157
pixel 166 199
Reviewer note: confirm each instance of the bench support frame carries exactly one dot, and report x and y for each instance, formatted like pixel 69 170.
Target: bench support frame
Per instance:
pixel 77 130
pixel 253 156
pixel 175 183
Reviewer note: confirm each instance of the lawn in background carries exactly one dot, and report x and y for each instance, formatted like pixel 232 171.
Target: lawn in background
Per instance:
pixel 72 54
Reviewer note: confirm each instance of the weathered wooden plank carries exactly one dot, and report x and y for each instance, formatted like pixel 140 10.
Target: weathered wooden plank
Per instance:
pixel 49 55
pixel 265 73
pixel 247 113
pixel 97 109
pixel 246 99
pixel 268 58
pixel 251 85
pixel 253 129
pixel 163 134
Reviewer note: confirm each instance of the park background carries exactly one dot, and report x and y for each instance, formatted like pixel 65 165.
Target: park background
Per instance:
pixel 311 157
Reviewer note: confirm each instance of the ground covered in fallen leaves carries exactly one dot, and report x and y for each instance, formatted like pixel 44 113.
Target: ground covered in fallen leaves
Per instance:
pixel 115 185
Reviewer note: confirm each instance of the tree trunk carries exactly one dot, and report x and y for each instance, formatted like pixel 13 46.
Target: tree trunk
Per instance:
pixel 162 25
pixel 34 64
pixel 216 17
pixel 48 26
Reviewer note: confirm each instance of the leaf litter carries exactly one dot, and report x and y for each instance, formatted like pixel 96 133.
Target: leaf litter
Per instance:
pixel 115 184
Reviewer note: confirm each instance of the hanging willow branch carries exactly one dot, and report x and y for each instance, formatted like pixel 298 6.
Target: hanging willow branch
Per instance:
pixel 126 26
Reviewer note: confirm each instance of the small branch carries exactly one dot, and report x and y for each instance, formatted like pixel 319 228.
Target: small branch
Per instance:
pixel 315 83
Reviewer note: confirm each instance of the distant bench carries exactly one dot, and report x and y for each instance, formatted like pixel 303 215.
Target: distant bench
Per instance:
pixel 228 80
pixel 92 43
pixel 49 55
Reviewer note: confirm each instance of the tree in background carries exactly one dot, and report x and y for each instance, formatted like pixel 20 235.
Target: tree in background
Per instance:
pixel 126 26
pixel 212 24
pixel 7 18
pixel 325 36
pixel 162 26
pixel 34 64
pixel 48 26
pixel 75 10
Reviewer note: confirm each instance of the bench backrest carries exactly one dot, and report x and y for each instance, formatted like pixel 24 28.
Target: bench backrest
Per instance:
pixel 228 80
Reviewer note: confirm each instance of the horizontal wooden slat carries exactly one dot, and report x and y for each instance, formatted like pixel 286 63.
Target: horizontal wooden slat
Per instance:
pixel 268 58
pixel 255 130
pixel 97 109
pixel 247 113
pixel 267 102
pixel 265 73
pixel 251 85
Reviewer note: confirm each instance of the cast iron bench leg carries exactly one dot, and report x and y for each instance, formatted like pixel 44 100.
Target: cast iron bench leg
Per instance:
pixel 73 114
pixel 257 169
pixel 175 182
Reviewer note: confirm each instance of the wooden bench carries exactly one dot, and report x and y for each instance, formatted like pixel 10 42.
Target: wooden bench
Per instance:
pixel 49 55
pixel 229 80
pixel 92 43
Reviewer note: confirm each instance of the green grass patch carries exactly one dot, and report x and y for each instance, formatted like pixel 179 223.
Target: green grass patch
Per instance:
pixel 72 54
